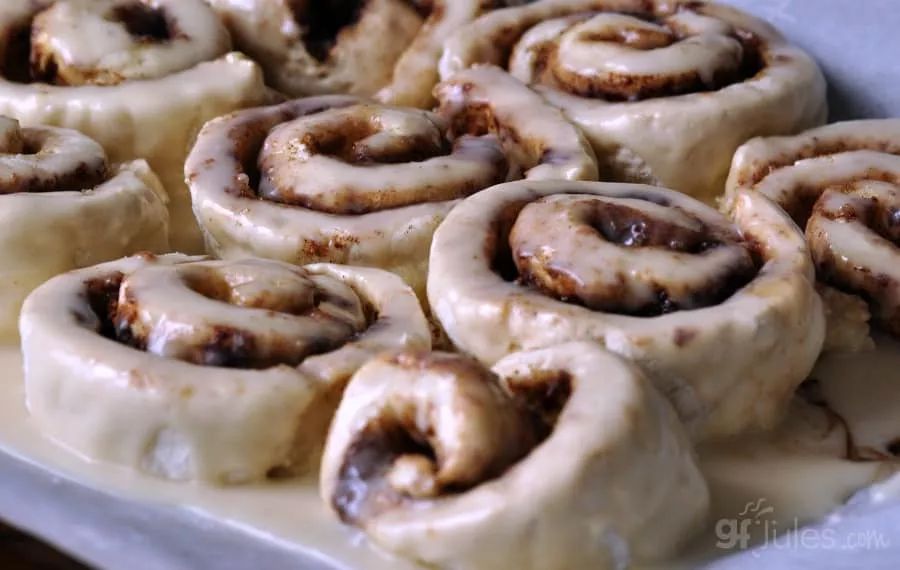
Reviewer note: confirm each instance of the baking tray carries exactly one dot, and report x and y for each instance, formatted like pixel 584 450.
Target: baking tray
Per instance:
pixel 855 43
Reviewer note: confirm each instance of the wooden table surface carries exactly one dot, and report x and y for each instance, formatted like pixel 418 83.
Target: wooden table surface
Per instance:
pixel 19 551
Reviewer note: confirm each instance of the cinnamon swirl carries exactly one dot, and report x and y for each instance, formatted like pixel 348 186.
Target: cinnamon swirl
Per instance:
pixel 138 76
pixel 842 184
pixel 354 47
pixel 337 179
pixel 722 315
pixel 666 90
pixel 208 370
pixel 63 205
pixel 539 463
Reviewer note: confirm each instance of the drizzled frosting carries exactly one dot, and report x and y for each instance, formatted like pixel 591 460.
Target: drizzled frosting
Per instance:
pixel 340 179
pixel 842 184
pixel 385 47
pixel 64 206
pixel 209 370
pixel 722 314
pixel 138 76
pixel 539 463
pixel 665 90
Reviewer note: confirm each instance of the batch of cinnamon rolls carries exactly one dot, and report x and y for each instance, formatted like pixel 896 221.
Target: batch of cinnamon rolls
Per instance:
pixel 491 269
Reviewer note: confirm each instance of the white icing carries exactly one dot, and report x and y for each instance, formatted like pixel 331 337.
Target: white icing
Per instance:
pixel 704 54
pixel 67 223
pixel 154 119
pixel 376 212
pixel 113 54
pixel 728 368
pixel 292 514
pixel 685 141
pixel 616 477
pixel 168 411
pixel 390 51
pixel 840 182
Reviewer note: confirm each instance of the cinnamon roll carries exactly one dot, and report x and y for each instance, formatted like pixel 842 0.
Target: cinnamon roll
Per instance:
pixel 354 47
pixel 842 184
pixel 337 179
pixel 138 76
pixel 722 315
pixel 206 370
pixel 64 205
pixel 666 90
pixel 564 457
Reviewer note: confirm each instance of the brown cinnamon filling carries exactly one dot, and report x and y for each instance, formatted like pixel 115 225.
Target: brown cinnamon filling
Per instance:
pixel 627 87
pixel 348 144
pixel 21 63
pixel 324 21
pixel 879 213
pixel 225 347
pixel 628 228
pixel 801 201
pixel 362 136
pixel 498 246
pixel 545 394
pixel 103 298
pixel 879 217
pixel 144 22
pixel 364 473
pixel 366 485
pixel 15 65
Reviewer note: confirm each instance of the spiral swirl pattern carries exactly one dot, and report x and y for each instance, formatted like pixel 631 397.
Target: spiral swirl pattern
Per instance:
pixel 304 314
pixel 628 255
pixel 710 76
pixel 842 184
pixel 133 39
pixel 339 179
pixel 722 314
pixel 42 159
pixel 211 370
pixel 97 210
pixel 150 72
pixel 391 47
pixel 431 453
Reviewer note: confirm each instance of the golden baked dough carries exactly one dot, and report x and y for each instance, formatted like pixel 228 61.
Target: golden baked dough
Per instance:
pixel 336 179
pixel 206 370
pixel 352 47
pixel 565 457
pixel 723 316
pixel 666 90
pixel 138 76
pixel 63 205
pixel 841 183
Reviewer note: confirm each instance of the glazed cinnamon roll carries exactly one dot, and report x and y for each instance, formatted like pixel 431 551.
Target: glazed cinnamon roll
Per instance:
pixel 842 184
pixel 350 46
pixel 337 179
pixel 666 90
pixel 64 205
pixel 206 370
pixel 138 76
pixel 722 315
pixel 564 457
